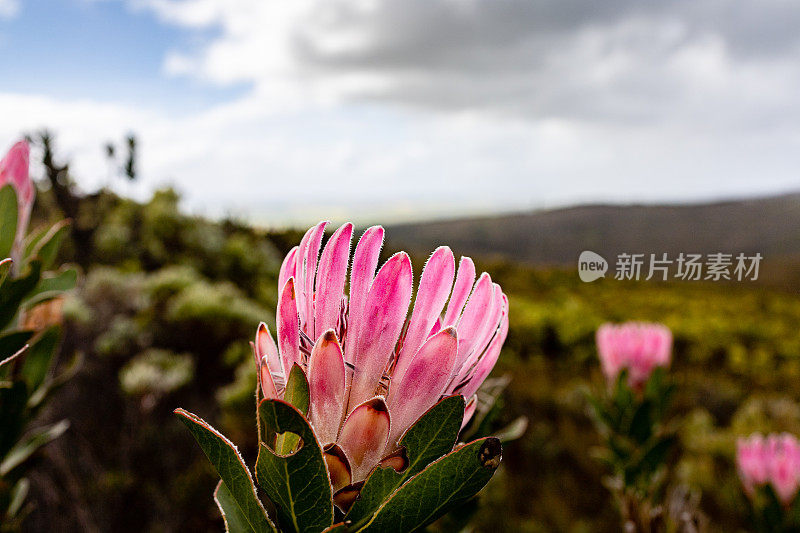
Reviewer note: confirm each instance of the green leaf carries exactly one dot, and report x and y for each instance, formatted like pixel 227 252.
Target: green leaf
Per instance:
pixel 18 495
pixel 431 437
pixel 231 468
pixel 46 248
pixel 38 396
pixel 514 430
pixel 14 291
pixel 448 482
pixel 12 342
pixel 52 285
pixel 39 358
pixel 25 448
pixel 235 520
pixel 9 215
pixel 297 483
pixel 641 428
pixel 297 392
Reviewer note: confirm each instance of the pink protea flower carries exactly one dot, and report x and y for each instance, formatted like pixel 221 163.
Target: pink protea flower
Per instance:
pixel 773 460
pixel 639 347
pixel 371 371
pixel 14 171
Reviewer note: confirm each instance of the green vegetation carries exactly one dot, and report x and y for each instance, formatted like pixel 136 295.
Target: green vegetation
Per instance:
pixel 168 303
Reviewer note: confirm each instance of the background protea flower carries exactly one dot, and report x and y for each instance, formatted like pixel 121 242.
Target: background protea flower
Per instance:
pixel 14 172
pixel 774 460
pixel 639 347
pixel 371 370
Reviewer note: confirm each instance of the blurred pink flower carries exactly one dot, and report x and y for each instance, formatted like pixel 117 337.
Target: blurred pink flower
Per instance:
pixel 372 370
pixel 773 460
pixel 14 171
pixel 639 347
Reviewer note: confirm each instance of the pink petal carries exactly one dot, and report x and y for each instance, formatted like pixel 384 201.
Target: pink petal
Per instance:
pixel 381 322
pixel 287 267
pixel 487 362
pixel 267 383
pixel 326 387
pixel 434 288
pixel 476 313
pixel 14 170
pixel 288 327
pixel 364 436
pixel 423 383
pixel 338 466
pixel 461 289
pixel 365 261
pixel 265 348
pixel 469 410
pixel 488 329
pixel 331 277
pixel 305 271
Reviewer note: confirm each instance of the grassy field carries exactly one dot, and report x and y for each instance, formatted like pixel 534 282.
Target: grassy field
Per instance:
pixel 168 302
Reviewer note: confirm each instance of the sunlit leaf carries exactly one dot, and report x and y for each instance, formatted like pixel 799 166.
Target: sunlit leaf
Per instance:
pixel 27 447
pixel 297 483
pixel 231 468
pixel 446 483
pixel 52 285
pixel 46 249
pixel 431 437
pixel 235 520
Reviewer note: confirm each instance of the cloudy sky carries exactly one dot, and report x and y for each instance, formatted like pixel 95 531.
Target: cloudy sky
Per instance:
pixel 297 109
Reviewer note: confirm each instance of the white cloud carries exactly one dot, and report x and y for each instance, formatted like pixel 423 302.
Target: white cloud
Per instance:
pixel 431 105
pixel 9 8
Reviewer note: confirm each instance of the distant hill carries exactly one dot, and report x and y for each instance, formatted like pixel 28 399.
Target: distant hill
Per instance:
pixel 556 237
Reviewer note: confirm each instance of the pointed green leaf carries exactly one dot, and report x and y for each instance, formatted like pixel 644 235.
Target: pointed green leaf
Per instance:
pixel 38 396
pixel 18 495
pixel 514 430
pixel 39 358
pixel 25 448
pixel 34 238
pixel 52 285
pixel 297 392
pixel 235 520
pixel 431 437
pixel 298 484
pixel 14 291
pixel 450 481
pixel 46 249
pixel 9 215
pixel 231 468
